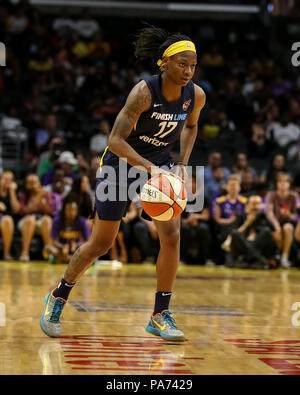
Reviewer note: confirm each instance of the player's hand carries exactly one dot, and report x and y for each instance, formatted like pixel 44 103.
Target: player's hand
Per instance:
pixel 155 170
pixel 250 218
pixel 180 171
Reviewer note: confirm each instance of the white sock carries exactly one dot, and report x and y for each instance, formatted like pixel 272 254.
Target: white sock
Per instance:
pixel 285 256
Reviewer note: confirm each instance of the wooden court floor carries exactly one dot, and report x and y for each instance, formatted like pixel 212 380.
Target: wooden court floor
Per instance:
pixel 235 321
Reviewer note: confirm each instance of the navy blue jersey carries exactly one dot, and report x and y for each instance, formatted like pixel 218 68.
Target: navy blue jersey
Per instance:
pixel 159 127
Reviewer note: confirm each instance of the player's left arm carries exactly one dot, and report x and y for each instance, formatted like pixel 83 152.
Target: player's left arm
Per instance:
pixel 190 130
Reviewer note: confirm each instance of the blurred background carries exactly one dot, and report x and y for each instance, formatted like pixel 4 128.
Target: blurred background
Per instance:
pixel 70 66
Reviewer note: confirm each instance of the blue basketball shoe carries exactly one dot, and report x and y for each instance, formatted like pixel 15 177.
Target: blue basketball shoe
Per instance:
pixel 162 324
pixel 50 319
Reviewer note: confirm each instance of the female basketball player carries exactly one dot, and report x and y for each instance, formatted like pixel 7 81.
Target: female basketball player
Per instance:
pixel 158 111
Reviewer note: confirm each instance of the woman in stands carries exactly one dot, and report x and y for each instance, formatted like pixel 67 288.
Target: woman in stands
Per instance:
pixel 9 205
pixel 37 208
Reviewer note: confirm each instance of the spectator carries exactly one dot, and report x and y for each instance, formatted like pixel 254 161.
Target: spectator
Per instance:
pixel 80 192
pixel 269 176
pixel 118 251
pixel 68 231
pixel 281 206
pixel 228 207
pixel 241 165
pixel 259 147
pixel 196 238
pixel 214 161
pixel 58 189
pixel 284 132
pixel 11 120
pixel 126 234
pixel 36 207
pixel 211 128
pixel 49 159
pixel 99 141
pixel 94 166
pixel 213 58
pixel 146 236
pixel 63 24
pixel 212 186
pixel 86 26
pixel 43 136
pixel 9 205
pixel 18 22
pixel 248 184
pixel 252 243
pixel 66 161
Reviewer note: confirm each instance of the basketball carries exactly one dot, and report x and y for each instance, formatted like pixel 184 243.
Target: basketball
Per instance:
pixel 164 197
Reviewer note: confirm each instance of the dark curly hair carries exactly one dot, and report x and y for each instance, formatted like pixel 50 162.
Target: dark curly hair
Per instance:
pixel 151 42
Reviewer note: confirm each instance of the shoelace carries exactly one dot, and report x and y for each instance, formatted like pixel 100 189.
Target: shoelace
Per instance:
pixel 57 309
pixel 170 320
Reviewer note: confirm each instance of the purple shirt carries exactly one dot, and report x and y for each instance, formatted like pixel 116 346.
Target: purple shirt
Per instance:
pixel 78 231
pixel 48 177
pixel 228 208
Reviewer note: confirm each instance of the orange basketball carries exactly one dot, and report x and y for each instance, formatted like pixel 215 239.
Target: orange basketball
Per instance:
pixel 164 197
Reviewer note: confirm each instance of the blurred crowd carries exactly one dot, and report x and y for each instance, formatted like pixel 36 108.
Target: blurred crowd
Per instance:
pixel 65 80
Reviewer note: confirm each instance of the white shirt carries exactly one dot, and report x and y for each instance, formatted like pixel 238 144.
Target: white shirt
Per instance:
pixel 98 142
pixel 87 28
pixel 283 135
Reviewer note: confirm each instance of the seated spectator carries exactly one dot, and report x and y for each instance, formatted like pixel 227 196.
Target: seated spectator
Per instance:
pixel 126 229
pixel 63 24
pixel 118 251
pixel 17 22
pixel 83 166
pixel 9 205
pixel 213 58
pixel 86 26
pixel 99 141
pixel 293 156
pixel 10 119
pixel 49 159
pixel 94 166
pixel 215 184
pixel 269 176
pixel 78 46
pixel 58 189
pixel 80 192
pixel 211 128
pixel 214 161
pixel 248 184
pixel 259 147
pixel 36 207
pixel 284 132
pixel 241 165
pixel 68 231
pixel 43 135
pixel 146 236
pixel 66 162
pixel 98 47
pixel 228 207
pixel 281 210
pixel 252 243
pixel 195 232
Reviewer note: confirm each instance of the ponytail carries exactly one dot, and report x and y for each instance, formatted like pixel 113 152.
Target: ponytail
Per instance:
pixel 153 41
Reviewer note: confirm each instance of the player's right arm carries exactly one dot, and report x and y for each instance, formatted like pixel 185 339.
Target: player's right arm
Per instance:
pixel 138 101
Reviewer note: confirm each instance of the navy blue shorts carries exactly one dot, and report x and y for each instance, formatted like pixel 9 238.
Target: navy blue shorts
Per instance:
pixel 116 208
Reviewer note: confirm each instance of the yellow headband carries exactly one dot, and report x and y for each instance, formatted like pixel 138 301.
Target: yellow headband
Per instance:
pixel 179 46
